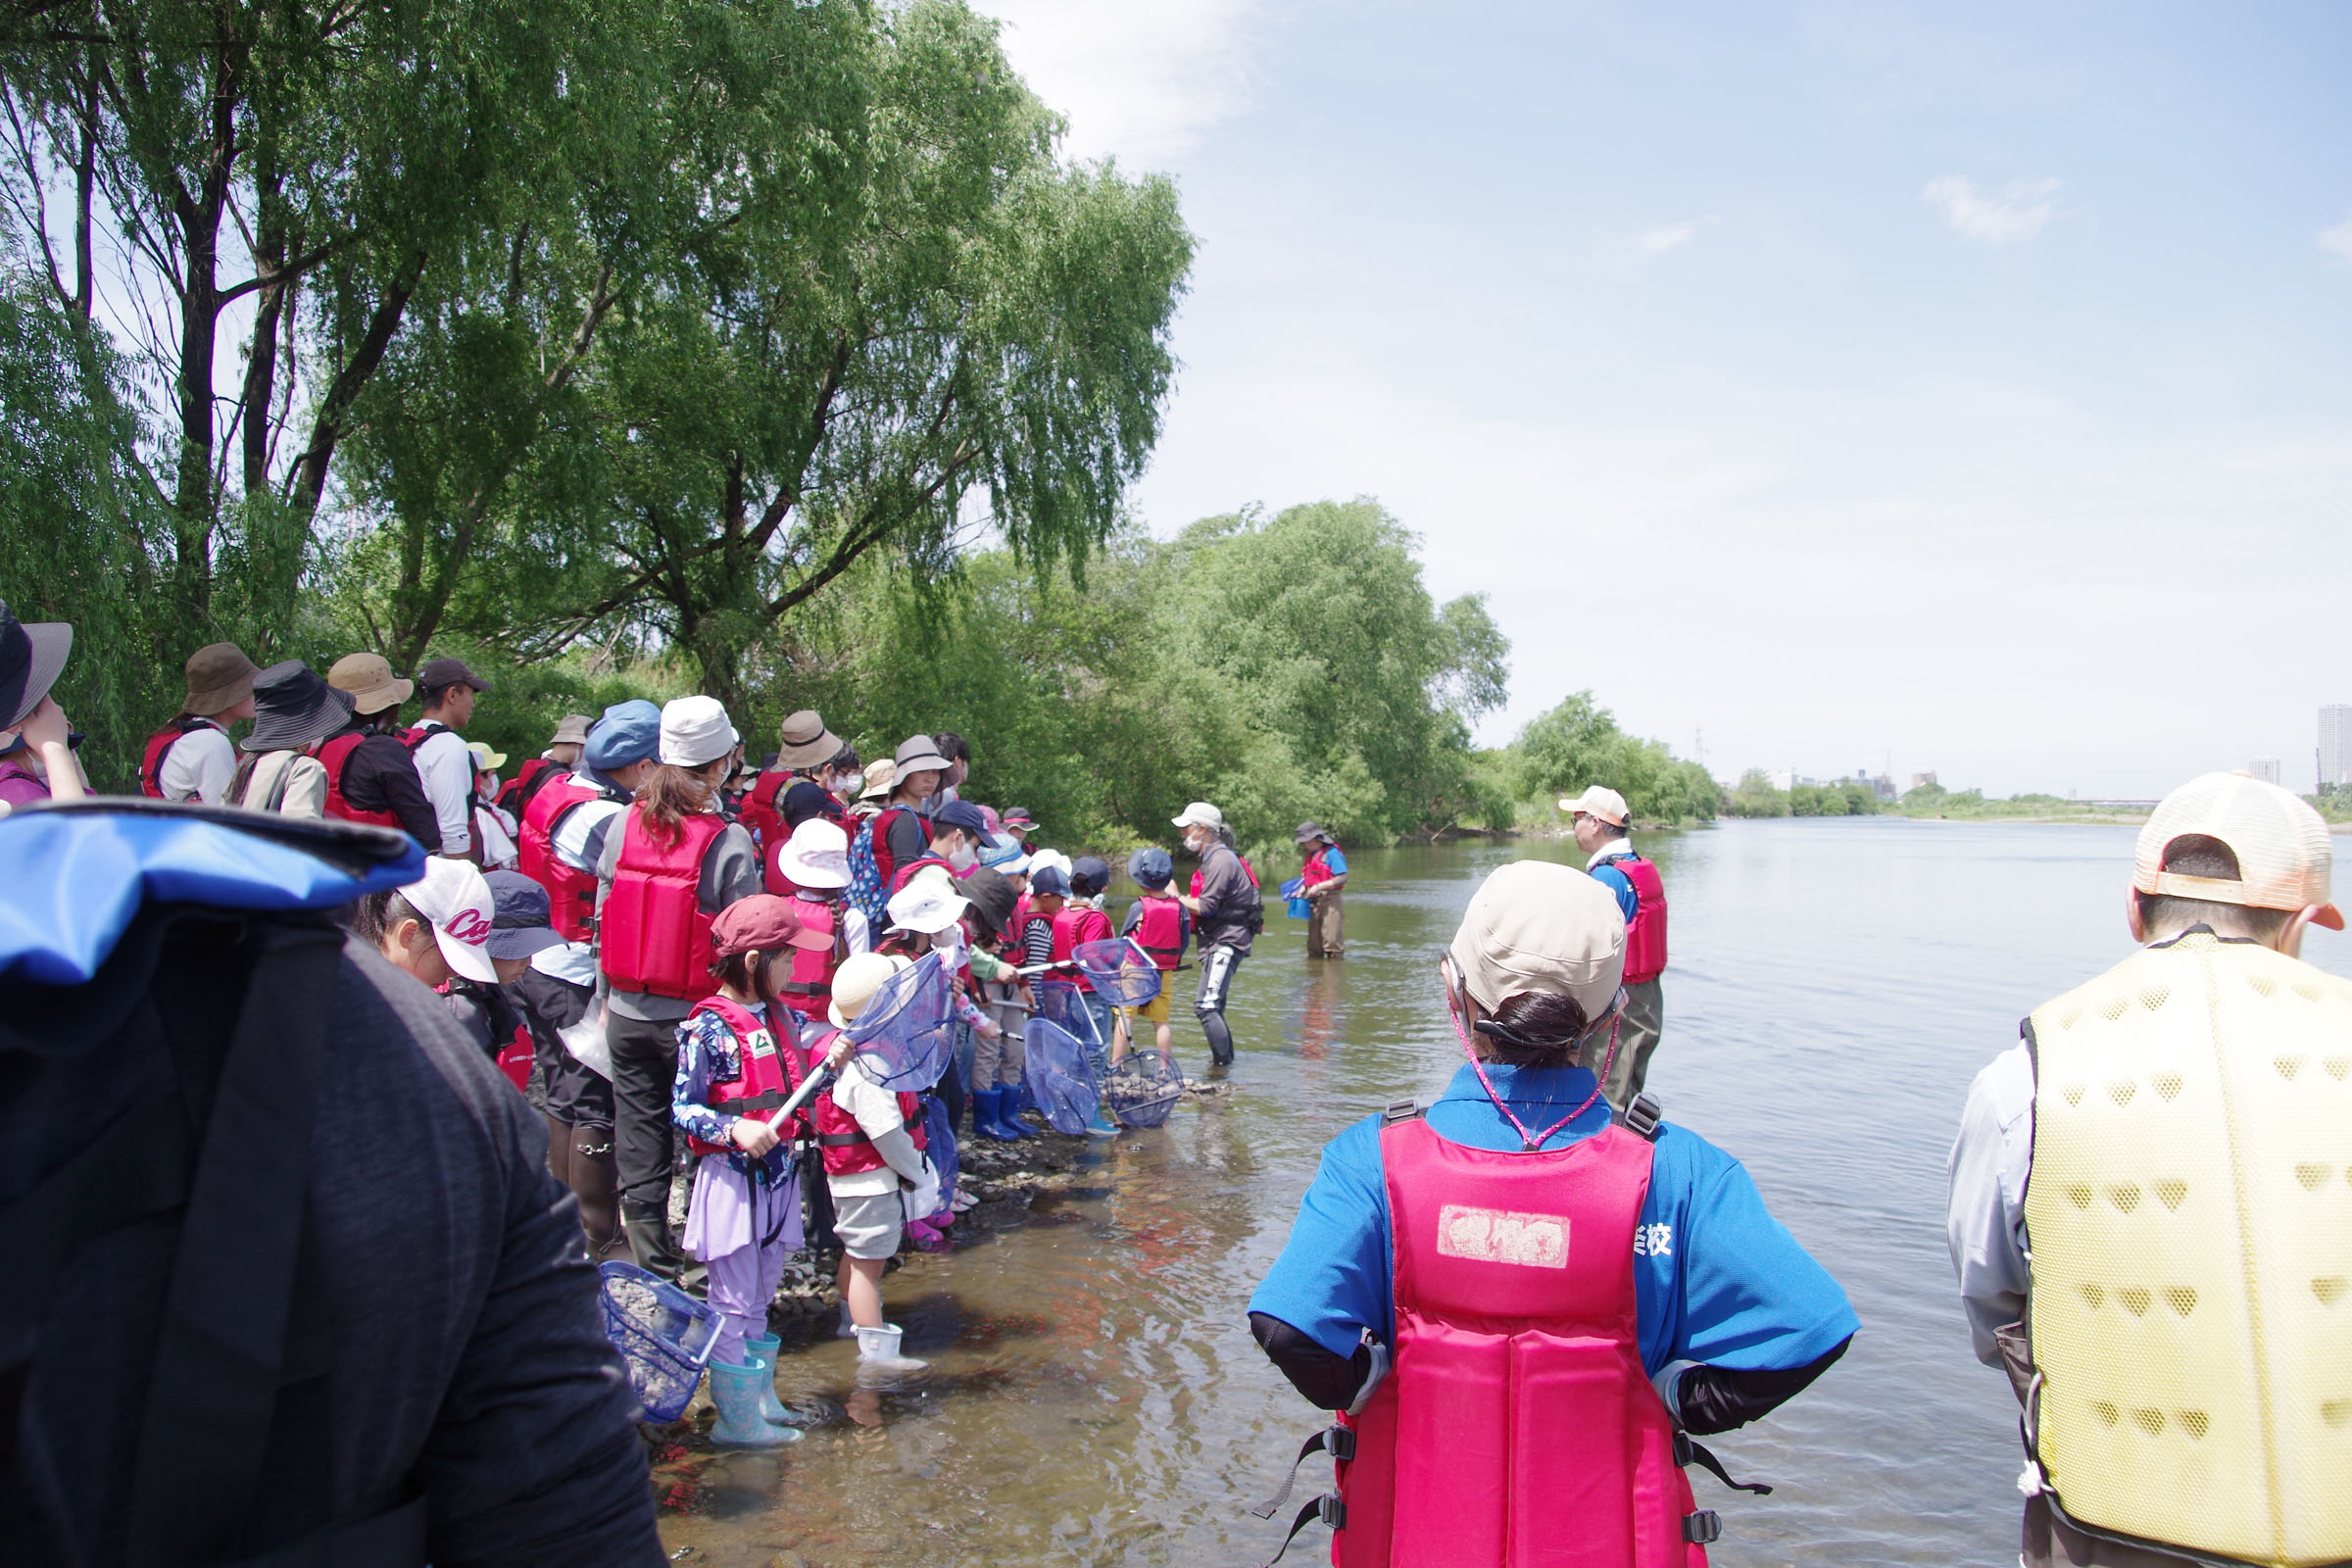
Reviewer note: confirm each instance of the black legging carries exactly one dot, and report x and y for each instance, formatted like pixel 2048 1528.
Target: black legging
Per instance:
pixel 582 1158
pixel 645 1064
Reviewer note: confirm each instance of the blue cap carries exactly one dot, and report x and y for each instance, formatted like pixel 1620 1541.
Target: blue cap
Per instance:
pixel 1049 879
pixel 1152 868
pixel 1000 850
pixel 628 732
pixel 1090 874
pixel 962 814
pixel 804 799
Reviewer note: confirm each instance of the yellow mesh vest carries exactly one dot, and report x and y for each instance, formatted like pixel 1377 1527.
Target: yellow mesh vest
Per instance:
pixel 2190 1217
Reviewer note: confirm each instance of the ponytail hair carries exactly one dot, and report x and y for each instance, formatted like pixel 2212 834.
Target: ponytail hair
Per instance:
pixel 670 794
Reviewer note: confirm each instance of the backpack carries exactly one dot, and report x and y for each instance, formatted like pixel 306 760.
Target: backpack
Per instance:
pixel 867 891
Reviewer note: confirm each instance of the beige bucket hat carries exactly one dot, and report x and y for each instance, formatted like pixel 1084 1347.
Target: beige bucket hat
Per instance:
pixel 370 679
pixel 1536 925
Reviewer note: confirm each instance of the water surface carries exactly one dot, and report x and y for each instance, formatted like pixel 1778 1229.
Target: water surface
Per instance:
pixel 1097 1400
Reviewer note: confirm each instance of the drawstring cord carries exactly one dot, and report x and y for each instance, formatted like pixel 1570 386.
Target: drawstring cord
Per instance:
pixel 1530 1142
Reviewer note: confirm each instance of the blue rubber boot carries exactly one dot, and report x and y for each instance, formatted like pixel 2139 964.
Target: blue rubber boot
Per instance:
pixel 1008 1113
pixel 735 1390
pixel 762 1348
pixel 988 1115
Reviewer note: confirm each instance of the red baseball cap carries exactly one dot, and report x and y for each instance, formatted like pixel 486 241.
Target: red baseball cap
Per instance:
pixel 762 924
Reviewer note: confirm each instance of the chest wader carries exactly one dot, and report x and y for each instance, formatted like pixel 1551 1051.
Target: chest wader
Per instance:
pixel 208 1171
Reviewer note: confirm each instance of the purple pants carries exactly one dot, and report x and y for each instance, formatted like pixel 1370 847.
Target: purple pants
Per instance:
pixel 741 1230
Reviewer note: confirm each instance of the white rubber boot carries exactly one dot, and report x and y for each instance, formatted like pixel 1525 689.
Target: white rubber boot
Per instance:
pixel 878 1358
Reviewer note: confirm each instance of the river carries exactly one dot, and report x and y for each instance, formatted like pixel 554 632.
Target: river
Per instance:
pixel 1098 1399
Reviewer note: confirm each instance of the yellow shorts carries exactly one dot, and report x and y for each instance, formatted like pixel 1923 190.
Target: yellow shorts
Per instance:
pixel 1156 1010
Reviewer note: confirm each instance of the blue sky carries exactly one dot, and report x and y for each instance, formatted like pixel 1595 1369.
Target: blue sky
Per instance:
pixel 1965 385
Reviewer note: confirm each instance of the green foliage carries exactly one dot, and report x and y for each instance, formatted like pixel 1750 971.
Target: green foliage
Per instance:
pixel 1578 744
pixel 1844 798
pixel 1755 796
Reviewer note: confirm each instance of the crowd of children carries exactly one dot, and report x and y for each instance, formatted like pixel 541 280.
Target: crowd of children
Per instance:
pixel 662 942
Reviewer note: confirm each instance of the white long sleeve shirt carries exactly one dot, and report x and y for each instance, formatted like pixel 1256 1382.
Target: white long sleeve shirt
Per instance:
pixel 877 1110
pixel 446 768
pixel 1984 1222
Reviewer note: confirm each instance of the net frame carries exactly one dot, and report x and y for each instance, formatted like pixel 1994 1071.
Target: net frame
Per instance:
pixel 1121 973
pixel 1066 1096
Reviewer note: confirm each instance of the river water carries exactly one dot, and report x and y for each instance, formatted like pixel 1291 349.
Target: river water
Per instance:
pixel 1098 1397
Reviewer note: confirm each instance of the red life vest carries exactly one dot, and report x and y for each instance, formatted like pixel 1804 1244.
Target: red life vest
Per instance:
pixel 571 892
pixel 159 746
pixel 1248 871
pixel 1318 869
pixel 758 812
pixel 1159 929
pixel 1074 923
pixel 655 934
pixel 516 1060
pixel 514 795
pixel 879 827
pixel 1645 935
pixel 335 755
pixel 1517 1428
pixel 810 986
pixel 842 1143
pixel 906 873
pixel 764 1075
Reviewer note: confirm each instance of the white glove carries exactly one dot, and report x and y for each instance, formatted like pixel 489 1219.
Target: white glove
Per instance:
pixel 1379 1370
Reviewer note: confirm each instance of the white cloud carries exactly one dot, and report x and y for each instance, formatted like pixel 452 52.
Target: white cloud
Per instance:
pixel 1139 80
pixel 2015 211
pixel 1631 250
pixel 2337 241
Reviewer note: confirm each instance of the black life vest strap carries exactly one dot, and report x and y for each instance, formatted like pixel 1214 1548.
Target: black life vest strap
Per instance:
pixel 224 1338
pixel 1687 1451
pixel 768 1102
pixel 1337 1440
pixel 1328 1508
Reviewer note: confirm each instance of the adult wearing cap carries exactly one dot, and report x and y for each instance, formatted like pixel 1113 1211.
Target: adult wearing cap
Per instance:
pixel 2151 1211
pixel 190 759
pixel 563 838
pixel 1513 1297
pixel 1226 914
pixel 667 870
pixel 293 712
pixel 1320 879
pixel 370 765
pixel 305 1291
pixel 805 749
pixel 1597 817
pixel 447 690
pixel 562 756
pixel 37 744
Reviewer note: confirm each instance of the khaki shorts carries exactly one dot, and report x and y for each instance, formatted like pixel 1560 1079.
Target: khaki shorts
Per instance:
pixel 869 1227
pixel 1156 1010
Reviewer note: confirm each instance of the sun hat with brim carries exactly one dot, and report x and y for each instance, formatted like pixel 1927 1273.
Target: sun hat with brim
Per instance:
pixel 456 901
pixel 1201 815
pixel 919 753
pixel 762 924
pixel 854 983
pixel 519 918
pixel 881 777
pixel 816 856
pixel 1536 925
pixel 695 732
pixel 1001 851
pixel 926 906
pixel 1017 816
pixel 805 742
pixel 1051 860
pixel 2286 857
pixel 1309 832
pixel 1599 801
pixel 628 732
pixel 488 761
pixel 571 730
pixel 220 676
pixel 293 707
pixel 31 656
pixel 370 681
pixel 992 898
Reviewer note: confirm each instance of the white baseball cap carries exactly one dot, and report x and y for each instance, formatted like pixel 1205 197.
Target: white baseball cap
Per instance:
pixel 2284 856
pixel 1536 925
pixel 455 899
pixel 1199 815
pixel 816 855
pixel 694 731
pixel 1599 801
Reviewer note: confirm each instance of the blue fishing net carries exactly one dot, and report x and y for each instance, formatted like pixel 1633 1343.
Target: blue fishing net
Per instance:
pixel 1059 1004
pixel 905 1035
pixel 1060 1075
pixel 1122 972
pixel 663 1334
pixel 939 1141
pixel 1143 1089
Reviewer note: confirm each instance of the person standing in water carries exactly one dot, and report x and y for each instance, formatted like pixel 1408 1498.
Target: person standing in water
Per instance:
pixel 1319 882
pixel 1523 1307
pixel 1598 818
pixel 1226 913
pixel 2151 1211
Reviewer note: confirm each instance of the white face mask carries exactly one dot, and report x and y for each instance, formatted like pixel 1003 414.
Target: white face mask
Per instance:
pixel 963 860
pixel 850 784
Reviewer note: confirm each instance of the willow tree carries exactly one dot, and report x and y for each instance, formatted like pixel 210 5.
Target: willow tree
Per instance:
pixel 914 327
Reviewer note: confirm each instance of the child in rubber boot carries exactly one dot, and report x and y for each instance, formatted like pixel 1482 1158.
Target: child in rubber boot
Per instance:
pixel 744 1219
pixel 872 1144
pixel 1159 924
pixel 1081 920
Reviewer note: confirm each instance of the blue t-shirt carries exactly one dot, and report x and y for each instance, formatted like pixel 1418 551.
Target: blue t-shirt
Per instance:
pixel 1716 1279
pixel 1619 884
pixel 1336 861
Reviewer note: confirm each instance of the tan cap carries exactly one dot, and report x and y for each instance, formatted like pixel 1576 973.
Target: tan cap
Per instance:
pixel 1536 925
pixel 2282 848
pixel 370 681
pixel 1599 801
pixel 484 758
pixel 220 676
pixel 854 983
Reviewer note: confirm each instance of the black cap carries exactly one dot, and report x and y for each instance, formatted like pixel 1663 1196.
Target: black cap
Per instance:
pixel 439 674
pixel 30 659
pixel 519 918
pixel 804 799
pixel 293 707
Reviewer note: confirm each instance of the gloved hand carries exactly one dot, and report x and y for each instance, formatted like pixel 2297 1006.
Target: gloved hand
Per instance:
pixel 1379 1370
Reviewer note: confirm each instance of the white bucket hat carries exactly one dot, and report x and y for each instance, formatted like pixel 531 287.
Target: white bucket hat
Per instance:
pixel 695 732
pixel 927 906
pixel 816 855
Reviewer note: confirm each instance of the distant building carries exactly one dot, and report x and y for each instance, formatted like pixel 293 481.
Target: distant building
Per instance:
pixel 2265 769
pixel 1921 781
pixel 2335 744
pixel 1783 778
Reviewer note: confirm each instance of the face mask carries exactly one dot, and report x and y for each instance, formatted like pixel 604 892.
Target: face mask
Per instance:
pixel 851 785
pixel 963 861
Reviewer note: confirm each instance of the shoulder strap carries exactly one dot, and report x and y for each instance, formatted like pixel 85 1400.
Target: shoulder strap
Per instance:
pixel 1641 1117
pixel 1402 1111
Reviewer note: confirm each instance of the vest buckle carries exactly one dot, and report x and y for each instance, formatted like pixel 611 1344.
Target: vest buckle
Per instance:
pixel 1339 1443
pixel 1641 1117
pixel 1399 1110
pixel 1332 1512
pixel 1702 1528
